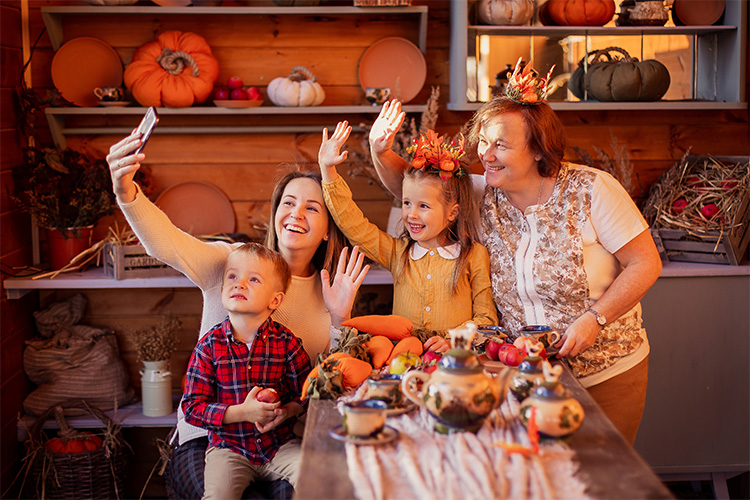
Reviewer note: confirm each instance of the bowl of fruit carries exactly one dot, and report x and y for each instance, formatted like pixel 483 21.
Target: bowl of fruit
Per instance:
pixel 234 94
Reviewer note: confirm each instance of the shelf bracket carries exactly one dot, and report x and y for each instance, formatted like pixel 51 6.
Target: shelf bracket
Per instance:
pixel 54 28
pixel 56 125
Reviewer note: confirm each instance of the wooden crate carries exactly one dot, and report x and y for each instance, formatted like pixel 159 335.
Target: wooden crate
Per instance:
pixel 711 247
pixel 132 261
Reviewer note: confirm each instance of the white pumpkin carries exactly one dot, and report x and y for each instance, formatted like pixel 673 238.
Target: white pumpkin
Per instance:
pixel 300 88
pixel 505 12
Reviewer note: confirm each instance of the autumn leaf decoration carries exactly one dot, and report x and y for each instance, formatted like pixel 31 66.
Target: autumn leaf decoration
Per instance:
pixel 524 87
pixel 434 156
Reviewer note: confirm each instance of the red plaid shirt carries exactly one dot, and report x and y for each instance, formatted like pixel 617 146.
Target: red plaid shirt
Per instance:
pixel 222 371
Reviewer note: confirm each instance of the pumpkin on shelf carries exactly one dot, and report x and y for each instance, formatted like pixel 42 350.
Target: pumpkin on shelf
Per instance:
pixel 620 79
pixel 299 88
pixel 176 70
pixel 77 442
pixel 581 12
pixel 505 12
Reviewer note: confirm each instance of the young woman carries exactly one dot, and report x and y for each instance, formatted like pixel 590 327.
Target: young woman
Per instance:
pixel 300 228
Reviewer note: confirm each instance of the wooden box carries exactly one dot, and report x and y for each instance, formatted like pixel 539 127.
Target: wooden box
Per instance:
pixel 709 247
pixel 132 261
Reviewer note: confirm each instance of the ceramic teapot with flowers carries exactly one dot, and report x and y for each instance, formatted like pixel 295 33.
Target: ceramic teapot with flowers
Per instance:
pixel 459 394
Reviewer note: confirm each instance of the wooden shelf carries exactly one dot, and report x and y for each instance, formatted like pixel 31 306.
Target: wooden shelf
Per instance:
pixel 620 106
pixel 563 31
pixel 95 279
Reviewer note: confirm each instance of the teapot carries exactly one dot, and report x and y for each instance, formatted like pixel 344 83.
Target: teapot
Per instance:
pixel 530 372
pixel 557 413
pixel 459 394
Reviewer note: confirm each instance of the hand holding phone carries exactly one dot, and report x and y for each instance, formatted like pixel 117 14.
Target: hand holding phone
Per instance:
pixel 146 127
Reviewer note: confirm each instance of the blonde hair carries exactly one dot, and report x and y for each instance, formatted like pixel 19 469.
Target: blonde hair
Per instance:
pixel 281 268
pixel 462 229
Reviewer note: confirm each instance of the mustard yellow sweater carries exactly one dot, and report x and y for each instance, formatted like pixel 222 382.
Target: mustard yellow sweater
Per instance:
pixel 423 293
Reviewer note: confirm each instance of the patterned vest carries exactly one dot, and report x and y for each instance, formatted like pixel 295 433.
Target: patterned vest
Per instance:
pixel 536 265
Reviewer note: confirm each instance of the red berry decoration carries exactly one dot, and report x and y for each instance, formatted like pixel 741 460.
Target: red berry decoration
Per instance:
pixel 679 205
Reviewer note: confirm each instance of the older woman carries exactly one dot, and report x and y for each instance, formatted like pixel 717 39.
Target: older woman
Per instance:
pixel 300 228
pixel 568 247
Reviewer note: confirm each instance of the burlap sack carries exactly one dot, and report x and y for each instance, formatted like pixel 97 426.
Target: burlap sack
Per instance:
pixel 73 362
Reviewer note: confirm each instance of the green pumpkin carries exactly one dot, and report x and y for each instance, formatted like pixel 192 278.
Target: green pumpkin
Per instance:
pixel 620 80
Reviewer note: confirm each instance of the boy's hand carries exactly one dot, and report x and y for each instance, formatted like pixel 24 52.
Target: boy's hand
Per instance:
pixel 328 155
pixel 385 127
pixel 290 409
pixel 257 412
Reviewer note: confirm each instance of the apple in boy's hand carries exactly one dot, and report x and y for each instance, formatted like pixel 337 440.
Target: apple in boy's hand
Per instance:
pixel 235 82
pixel 268 396
pixel 238 95
pixel 222 93
pixel 254 94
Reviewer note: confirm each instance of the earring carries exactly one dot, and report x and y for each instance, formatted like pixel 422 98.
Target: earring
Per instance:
pixel 325 237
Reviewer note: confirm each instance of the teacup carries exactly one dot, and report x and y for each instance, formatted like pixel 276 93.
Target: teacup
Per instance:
pixel 377 95
pixel 109 94
pixel 541 333
pixel 364 419
pixel 386 388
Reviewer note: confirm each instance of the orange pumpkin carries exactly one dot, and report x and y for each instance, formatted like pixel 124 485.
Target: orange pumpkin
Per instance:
pixel 176 70
pixel 86 441
pixel 581 12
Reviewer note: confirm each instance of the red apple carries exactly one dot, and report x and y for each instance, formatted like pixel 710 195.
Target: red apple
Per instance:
pixel 709 210
pixel 221 93
pixel 514 357
pixel 491 348
pixel 238 95
pixel 268 396
pixel 254 94
pixel 235 82
pixel 679 205
pixel 729 184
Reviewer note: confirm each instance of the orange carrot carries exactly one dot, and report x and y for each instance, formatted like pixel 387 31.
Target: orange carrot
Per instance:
pixel 409 344
pixel 379 347
pixel 355 371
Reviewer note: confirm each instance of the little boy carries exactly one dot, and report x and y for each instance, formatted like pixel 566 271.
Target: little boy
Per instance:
pixel 248 352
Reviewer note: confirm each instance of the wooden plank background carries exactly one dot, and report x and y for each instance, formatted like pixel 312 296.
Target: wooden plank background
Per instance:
pixel 245 166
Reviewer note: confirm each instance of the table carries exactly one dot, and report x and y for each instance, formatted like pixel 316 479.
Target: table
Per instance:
pixel 608 464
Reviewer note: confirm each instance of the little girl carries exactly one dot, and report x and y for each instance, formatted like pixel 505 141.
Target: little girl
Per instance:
pixel 441 275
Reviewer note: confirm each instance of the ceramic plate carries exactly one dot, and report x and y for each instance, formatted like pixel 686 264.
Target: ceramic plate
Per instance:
pixel 113 104
pixel 83 64
pixel 698 12
pixel 388 435
pixel 491 366
pixel 406 407
pixel 395 63
pixel 238 103
pixel 198 208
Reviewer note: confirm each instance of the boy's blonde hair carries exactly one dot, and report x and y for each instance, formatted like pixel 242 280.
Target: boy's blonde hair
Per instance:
pixel 281 268
pixel 462 230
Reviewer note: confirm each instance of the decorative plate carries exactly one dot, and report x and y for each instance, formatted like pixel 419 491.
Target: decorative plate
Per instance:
pixel 405 407
pixel 240 103
pixel 197 208
pixel 386 436
pixel 395 63
pixel 697 12
pixel 83 64
pixel 491 366
pixel 113 104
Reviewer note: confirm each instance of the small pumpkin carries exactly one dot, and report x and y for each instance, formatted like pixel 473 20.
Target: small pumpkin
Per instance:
pixel 505 12
pixel 621 79
pixel 176 70
pixel 77 443
pixel 299 88
pixel 581 12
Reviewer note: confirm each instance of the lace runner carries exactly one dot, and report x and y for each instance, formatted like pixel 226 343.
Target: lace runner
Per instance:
pixel 422 464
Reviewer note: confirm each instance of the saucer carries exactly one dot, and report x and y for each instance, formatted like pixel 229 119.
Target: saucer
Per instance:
pixel 386 436
pixel 405 407
pixel 113 104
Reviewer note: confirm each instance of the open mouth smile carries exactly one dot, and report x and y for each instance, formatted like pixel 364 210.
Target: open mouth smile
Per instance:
pixel 238 296
pixel 295 229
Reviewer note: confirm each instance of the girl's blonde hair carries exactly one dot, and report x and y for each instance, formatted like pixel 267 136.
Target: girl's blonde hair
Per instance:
pixel 462 230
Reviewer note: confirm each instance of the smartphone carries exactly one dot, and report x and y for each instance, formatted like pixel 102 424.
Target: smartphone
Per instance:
pixel 148 123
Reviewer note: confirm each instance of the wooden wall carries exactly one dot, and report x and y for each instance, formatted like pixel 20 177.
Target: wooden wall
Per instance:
pixel 245 166
pixel 15 249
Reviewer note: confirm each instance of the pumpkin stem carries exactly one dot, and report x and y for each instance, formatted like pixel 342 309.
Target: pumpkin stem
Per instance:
pixel 174 62
pixel 625 56
pixel 300 73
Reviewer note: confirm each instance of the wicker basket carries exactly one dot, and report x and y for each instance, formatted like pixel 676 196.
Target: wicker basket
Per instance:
pixel 90 474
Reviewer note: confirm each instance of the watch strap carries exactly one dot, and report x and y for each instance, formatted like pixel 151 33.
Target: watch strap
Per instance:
pixel 600 319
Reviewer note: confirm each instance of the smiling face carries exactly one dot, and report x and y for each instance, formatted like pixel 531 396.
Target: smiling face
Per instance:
pixel 250 285
pixel 301 219
pixel 425 212
pixel 508 162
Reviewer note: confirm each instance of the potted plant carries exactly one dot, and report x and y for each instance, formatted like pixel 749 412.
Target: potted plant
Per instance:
pixel 67 192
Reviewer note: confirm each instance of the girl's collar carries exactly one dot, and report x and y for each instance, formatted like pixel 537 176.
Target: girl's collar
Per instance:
pixel 450 252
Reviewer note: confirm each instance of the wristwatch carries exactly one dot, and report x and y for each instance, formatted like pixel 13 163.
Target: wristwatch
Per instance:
pixel 600 319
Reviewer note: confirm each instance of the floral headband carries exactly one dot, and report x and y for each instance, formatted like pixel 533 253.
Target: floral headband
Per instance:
pixel 432 155
pixel 524 87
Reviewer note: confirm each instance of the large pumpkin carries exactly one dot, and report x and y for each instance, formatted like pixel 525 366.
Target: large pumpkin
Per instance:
pixel 581 12
pixel 176 70
pixel 78 442
pixel 624 79
pixel 300 88
pixel 505 12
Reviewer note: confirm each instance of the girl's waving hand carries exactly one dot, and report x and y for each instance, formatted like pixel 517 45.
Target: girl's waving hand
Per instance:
pixel 329 154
